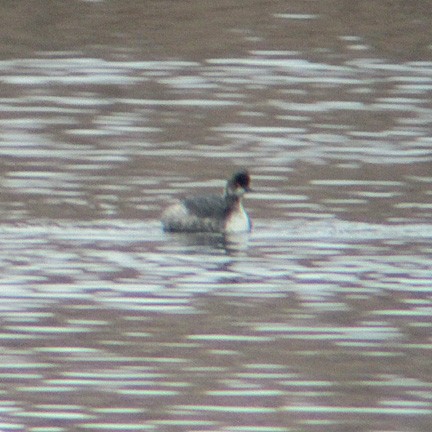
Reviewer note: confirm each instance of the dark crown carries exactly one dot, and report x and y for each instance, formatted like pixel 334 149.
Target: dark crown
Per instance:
pixel 241 179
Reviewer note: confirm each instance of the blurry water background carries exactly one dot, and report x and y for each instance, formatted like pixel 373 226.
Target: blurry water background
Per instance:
pixel 320 319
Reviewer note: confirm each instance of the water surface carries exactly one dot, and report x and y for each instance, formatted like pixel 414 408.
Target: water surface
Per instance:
pixel 318 320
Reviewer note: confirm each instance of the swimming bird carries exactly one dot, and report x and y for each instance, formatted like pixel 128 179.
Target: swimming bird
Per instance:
pixel 212 213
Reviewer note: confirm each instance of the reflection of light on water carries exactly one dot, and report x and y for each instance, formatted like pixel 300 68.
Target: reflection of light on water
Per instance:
pixel 356 410
pixel 286 327
pixel 297 16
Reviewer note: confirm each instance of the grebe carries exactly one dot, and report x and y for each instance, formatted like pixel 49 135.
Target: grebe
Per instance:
pixel 212 213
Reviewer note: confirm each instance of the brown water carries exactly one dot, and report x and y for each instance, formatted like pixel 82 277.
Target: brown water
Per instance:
pixel 319 320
